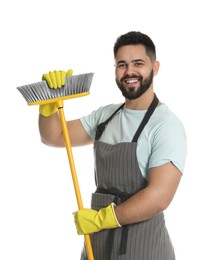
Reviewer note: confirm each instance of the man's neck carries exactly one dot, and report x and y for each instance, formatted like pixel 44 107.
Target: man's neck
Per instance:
pixel 141 103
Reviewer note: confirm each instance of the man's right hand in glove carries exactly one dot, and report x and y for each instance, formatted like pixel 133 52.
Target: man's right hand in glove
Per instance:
pixel 55 79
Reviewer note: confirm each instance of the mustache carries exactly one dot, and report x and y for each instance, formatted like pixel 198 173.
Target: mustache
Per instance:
pixel 131 76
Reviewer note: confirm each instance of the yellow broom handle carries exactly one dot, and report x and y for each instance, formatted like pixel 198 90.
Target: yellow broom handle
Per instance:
pixel 59 104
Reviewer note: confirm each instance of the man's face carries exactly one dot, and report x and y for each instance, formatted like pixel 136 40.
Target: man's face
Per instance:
pixel 134 71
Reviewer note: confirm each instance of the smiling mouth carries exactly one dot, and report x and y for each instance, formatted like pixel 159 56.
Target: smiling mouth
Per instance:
pixel 131 81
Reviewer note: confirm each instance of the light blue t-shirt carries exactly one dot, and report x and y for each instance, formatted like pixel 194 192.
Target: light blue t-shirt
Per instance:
pixel 162 140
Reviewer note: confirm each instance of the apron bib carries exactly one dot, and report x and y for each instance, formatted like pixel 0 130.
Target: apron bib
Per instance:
pixel 118 176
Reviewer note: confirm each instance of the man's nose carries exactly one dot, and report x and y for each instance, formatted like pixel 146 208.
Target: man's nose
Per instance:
pixel 130 69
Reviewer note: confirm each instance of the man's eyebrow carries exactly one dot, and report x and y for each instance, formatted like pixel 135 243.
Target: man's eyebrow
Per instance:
pixel 138 60
pixel 121 61
pixel 135 60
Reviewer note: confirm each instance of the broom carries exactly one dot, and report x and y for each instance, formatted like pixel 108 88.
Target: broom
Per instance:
pixel 39 94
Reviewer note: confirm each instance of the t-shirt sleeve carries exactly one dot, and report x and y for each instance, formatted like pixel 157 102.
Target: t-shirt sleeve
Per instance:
pixel 89 123
pixel 169 145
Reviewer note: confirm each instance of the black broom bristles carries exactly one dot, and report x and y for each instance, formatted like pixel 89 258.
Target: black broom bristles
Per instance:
pixel 40 91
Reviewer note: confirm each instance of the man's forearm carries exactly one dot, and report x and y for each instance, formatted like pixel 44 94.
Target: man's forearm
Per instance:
pixel 142 206
pixel 50 130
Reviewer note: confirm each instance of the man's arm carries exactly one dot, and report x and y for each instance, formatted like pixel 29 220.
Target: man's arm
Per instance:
pixel 156 197
pixel 51 132
pixel 163 182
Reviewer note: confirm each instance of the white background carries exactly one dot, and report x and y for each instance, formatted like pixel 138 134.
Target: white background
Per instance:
pixel 36 193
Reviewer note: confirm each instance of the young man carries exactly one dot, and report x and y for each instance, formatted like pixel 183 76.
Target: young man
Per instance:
pixel 140 151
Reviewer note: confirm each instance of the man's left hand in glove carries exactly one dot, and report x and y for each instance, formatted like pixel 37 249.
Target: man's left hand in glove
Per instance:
pixel 89 221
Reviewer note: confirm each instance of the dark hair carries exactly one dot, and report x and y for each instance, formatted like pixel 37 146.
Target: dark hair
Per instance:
pixel 134 38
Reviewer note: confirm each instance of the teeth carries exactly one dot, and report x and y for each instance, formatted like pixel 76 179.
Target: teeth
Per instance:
pixel 132 81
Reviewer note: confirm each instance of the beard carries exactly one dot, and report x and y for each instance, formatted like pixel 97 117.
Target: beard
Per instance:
pixel 130 93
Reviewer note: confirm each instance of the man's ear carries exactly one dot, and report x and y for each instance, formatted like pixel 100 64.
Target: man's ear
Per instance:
pixel 156 66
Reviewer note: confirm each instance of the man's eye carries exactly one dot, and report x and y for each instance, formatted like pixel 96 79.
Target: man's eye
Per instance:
pixel 138 64
pixel 121 65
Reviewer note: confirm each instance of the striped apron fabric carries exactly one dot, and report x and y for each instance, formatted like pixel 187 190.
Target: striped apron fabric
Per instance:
pixel 118 177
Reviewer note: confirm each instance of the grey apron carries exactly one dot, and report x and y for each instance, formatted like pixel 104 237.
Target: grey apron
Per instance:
pixel 118 177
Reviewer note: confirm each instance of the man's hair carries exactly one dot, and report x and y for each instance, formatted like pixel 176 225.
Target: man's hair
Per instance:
pixel 135 38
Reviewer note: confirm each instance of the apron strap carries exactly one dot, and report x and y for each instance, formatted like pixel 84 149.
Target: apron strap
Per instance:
pixel 146 118
pixel 123 243
pixel 101 127
pixel 119 198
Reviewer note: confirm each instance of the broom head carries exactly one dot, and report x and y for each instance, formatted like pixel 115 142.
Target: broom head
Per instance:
pixel 40 93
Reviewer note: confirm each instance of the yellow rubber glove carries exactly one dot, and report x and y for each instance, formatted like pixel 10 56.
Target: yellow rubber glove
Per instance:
pixel 55 79
pixel 89 221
